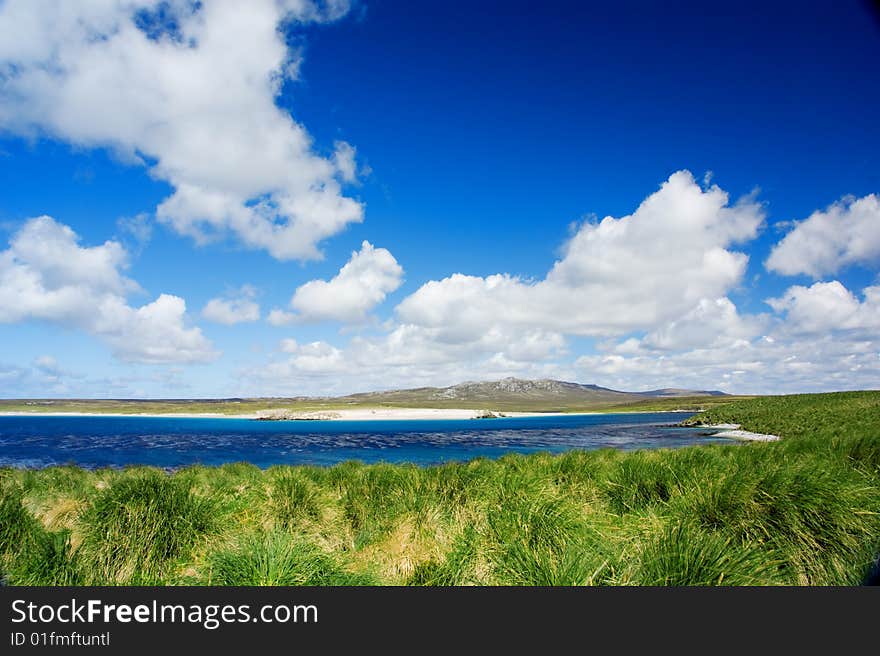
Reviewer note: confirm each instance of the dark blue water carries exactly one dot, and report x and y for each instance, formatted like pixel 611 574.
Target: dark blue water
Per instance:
pixel 27 441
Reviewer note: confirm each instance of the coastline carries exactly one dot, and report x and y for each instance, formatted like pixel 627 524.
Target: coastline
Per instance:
pixel 342 414
pixel 735 432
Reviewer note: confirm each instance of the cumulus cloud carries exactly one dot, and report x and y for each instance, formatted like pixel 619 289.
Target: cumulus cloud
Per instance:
pixel 361 284
pixel 664 270
pixel 616 275
pixel 313 358
pixel 764 365
pixel 188 90
pixel 651 288
pixel 278 317
pixel 238 307
pixel 712 323
pixel 344 161
pixel 410 346
pixel 847 232
pixel 46 275
pixel 408 355
pixel 153 333
pixel 828 306
pixel 822 338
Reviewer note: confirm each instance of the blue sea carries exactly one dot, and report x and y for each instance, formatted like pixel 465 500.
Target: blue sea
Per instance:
pixel 170 443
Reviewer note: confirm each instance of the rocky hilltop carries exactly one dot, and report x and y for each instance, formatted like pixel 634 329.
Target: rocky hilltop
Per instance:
pixel 510 392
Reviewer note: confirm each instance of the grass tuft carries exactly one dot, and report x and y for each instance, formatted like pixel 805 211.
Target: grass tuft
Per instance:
pixel 138 527
pixel 276 559
pixel 684 556
pixel 293 500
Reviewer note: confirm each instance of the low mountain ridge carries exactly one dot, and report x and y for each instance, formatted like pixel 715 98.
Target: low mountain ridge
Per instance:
pixel 671 392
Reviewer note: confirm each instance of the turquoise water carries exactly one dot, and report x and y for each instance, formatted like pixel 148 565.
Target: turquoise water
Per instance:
pixel 92 442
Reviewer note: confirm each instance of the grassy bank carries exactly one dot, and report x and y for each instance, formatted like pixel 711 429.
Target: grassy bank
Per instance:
pixel 805 510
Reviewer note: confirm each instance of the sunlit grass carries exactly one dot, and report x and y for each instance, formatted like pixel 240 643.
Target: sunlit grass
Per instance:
pixel 137 529
pixel 805 510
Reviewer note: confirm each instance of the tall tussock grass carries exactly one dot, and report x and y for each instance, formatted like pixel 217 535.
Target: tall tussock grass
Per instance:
pixel 136 530
pixel 30 555
pixel 802 511
pixel 293 499
pixel 276 559
pixel 682 555
pixel 542 541
pixel 639 481
pixel 17 526
pixel 19 531
pixel 49 561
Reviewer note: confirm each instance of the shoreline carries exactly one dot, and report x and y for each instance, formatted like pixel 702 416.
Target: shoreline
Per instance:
pixel 735 432
pixel 342 414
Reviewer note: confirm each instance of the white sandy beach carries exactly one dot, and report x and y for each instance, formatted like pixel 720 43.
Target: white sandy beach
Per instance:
pixel 734 432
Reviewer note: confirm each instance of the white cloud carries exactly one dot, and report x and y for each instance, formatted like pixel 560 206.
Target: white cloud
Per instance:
pixel 191 96
pixel 652 287
pixel 361 284
pixel 403 358
pixel 47 364
pixel 344 161
pixel 278 317
pixel 615 276
pixel 663 270
pixel 409 346
pixel 822 339
pixel 138 227
pixel 847 232
pixel 408 355
pixel 307 359
pixel 827 306
pixel 712 323
pixel 288 345
pixel 734 352
pixel 43 378
pixel 765 365
pixel 46 275
pixel 235 308
pixel 45 272
pixel 152 333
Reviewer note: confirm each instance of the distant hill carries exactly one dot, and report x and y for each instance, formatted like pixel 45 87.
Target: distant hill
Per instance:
pixel 519 393
pixel 673 392
pixel 507 394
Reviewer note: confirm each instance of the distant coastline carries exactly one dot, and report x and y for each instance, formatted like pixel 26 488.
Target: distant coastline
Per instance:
pixel 342 414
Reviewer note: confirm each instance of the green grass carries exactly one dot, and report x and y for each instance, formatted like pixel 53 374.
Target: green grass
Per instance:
pixel 801 511
pixel 137 530
pixel 683 555
pixel 275 559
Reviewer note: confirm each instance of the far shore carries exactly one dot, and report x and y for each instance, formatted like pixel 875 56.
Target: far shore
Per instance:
pixel 342 414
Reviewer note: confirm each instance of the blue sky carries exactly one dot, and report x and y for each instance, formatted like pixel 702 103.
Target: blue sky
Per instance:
pixel 467 153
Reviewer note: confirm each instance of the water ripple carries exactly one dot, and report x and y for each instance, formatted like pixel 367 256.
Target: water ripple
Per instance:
pixel 94 442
